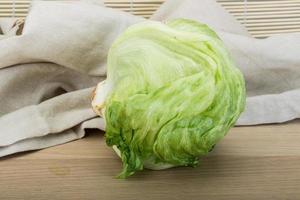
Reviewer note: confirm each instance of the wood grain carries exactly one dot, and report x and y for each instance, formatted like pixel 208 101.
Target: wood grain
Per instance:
pixel 260 162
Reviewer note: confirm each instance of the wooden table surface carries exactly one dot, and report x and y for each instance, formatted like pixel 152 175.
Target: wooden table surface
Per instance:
pixel 260 162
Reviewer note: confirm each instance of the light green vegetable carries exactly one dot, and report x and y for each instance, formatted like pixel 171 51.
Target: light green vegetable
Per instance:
pixel 172 92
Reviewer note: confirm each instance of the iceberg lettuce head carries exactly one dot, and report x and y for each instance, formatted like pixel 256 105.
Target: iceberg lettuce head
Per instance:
pixel 172 92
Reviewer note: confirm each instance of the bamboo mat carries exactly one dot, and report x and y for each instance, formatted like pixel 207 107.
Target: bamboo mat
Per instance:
pixel 261 17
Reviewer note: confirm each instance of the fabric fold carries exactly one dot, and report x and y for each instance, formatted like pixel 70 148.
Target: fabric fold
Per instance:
pixel 74 35
pixel 50 140
pixel 52 116
pixel 271 108
pixel 205 11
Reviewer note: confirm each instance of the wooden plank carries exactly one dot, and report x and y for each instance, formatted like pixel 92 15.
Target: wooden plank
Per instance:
pixel 259 162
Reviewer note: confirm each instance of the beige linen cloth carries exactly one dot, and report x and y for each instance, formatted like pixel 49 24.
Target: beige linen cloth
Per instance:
pixel 48 72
